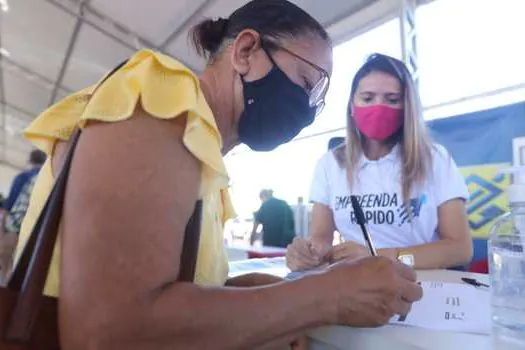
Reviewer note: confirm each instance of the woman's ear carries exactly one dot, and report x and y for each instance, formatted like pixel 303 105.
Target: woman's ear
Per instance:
pixel 243 48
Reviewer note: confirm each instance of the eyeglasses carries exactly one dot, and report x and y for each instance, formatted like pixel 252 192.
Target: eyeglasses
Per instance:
pixel 318 92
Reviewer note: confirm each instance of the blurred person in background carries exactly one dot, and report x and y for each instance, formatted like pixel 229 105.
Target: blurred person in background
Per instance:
pixel 154 134
pixel 410 189
pixel 37 158
pixel 277 221
pixel 10 224
pixel 15 208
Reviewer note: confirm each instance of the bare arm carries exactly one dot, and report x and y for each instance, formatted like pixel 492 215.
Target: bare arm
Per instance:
pixel 322 226
pixel 131 191
pixel 256 225
pixel 455 245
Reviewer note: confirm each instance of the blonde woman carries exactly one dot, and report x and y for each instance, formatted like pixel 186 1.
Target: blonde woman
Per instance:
pixel 410 189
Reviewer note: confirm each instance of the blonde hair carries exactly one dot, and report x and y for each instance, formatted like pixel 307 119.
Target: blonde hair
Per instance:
pixel 416 144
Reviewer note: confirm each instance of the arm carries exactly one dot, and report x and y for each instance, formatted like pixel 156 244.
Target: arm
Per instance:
pixel 257 221
pixel 455 245
pixel 322 226
pixel 315 251
pixel 121 242
pixel 256 225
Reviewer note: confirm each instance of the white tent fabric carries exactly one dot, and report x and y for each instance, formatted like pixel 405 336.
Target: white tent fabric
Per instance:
pixel 50 48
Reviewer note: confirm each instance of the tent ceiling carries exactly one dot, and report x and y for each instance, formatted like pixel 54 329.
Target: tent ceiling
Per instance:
pixel 49 48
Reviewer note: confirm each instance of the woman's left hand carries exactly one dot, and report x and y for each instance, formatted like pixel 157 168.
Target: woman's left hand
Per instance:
pixel 348 250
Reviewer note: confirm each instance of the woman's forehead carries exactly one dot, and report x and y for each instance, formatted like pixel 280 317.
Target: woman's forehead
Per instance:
pixel 379 82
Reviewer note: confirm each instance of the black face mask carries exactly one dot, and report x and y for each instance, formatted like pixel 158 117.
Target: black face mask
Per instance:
pixel 275 111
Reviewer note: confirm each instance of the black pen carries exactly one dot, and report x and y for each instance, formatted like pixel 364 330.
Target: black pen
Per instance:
pixel 360 218
pixel 474 282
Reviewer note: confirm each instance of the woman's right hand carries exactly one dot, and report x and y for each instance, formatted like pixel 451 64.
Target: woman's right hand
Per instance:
pixel 303 254
pixel 368 292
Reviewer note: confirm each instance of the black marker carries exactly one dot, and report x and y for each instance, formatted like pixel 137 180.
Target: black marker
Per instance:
pixel 474 282
pixel 360 218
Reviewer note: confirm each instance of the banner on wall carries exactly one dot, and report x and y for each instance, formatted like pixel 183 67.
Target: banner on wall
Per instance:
pixel 481 143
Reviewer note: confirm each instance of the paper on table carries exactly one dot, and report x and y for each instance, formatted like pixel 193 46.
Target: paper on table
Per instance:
pixel 272 266
pixel 450 307
pixel 297 274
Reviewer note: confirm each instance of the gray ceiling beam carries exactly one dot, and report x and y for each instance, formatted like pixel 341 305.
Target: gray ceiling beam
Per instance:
pixel 69 51
pixel 142 42
pixel 30 72
pixel 187 20
pixel 19 109
pixel 11 165
pixel 347 14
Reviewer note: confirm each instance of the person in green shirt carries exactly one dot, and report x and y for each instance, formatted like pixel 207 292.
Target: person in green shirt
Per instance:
pixel 277 220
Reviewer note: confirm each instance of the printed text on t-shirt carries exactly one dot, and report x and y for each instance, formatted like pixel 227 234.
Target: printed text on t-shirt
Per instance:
pixel 383 208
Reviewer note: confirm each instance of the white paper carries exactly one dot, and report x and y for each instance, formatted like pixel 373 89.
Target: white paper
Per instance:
pixel 271 266
pixel 450 307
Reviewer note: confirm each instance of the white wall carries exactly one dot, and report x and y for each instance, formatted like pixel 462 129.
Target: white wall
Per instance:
pixel 7 173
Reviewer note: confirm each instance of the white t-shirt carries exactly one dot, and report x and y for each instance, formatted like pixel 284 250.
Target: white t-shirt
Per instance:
pixel 378 187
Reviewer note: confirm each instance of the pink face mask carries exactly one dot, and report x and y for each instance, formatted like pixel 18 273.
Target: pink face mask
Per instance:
pixel 378 122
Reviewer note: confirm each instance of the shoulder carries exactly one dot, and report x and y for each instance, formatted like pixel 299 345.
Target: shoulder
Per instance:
pixel 162 59
pixel 440 155
pixel 163 85
pixel 439 150
pixel 444 167
pixel 149 84
pixel 284 203
pixel 22 177
pixel 330 160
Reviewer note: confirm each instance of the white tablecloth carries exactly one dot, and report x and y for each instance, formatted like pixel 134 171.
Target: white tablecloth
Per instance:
pixel 403 338
pixel 387 337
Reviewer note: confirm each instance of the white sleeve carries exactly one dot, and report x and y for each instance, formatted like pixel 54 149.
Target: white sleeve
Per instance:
pixel 320 189
pixel 448 181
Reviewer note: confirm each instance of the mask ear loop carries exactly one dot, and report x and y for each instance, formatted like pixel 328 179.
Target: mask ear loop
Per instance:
pixel 264 47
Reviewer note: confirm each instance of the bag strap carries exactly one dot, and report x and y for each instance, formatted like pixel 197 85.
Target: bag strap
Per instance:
pixel 37 255
pixel 25 265
pixel 31 272
pixel 190 247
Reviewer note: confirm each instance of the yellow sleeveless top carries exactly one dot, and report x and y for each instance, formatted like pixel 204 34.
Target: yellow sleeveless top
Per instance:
pixel 166 89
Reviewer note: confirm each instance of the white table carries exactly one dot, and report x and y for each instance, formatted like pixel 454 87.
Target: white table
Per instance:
pixel 272 266
pixel 403 338
pixel 387 337
pixel 255 251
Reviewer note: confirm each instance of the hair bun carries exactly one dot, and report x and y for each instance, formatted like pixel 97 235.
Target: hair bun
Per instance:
pixel 208 35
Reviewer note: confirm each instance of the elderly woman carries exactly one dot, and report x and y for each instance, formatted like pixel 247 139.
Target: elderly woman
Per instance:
pixel 152 145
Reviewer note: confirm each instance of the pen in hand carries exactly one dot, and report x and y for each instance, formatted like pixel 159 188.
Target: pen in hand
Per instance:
pixel 361 221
